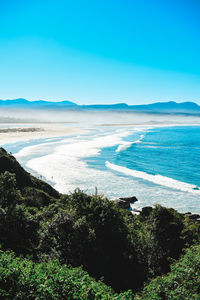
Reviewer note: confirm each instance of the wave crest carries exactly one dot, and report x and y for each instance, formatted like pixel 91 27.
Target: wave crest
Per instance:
pixel 127 145
pixel 157 179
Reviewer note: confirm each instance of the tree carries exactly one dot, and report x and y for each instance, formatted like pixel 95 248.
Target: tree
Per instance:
pixel 18 228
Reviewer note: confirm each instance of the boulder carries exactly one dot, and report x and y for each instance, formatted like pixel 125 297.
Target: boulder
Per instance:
pixel 194 216
pixel 129 199
pixel 125 202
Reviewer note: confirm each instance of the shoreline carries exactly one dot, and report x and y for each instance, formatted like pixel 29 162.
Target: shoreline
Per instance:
pixel 25 132
pixel 13 134
pixel 50 131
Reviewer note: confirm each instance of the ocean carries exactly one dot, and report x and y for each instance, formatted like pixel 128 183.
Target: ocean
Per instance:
pixel 155 164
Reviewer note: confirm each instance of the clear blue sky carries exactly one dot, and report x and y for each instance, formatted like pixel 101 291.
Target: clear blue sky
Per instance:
pixel 100 51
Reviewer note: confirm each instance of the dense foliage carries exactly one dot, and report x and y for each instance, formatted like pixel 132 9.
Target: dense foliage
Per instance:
pixel 59 233
pixel 183 282
pixel 24 279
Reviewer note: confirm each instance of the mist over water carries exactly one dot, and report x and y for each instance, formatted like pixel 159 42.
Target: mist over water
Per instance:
pixel 85 118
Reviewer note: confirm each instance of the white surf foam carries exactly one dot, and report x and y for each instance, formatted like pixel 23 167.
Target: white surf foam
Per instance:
pixel 65 164
pixel 157 179
pixel 30 150
pixel 125 145
pixel 41 148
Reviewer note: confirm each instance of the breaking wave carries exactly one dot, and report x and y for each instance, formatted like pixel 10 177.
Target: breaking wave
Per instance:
pixel 127 145
pixel 157 179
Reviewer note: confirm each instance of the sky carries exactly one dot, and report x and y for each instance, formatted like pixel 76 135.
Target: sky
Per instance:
pixel 108 51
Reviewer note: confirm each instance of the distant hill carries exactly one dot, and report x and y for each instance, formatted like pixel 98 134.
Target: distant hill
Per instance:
pixel 23 103
pixel 168 106
pixel 120 106
pixel 158 107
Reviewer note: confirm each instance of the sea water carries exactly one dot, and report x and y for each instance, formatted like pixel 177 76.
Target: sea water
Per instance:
pixel 155 164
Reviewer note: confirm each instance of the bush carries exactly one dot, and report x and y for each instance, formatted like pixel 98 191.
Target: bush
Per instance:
pixel 23 279
pixel 126 250
pixel 182 283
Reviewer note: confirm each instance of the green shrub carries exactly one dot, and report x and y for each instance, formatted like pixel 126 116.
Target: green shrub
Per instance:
pixel 23 279
pixel 90 231
pixel 182 283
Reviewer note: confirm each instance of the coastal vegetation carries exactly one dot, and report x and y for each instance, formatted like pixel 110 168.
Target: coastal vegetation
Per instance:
pixel 81 246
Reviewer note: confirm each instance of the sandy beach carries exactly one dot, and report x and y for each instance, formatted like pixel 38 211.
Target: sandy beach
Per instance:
pixel 15 134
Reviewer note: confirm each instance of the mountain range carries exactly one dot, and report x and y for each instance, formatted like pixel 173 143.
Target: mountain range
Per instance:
pixel 158 107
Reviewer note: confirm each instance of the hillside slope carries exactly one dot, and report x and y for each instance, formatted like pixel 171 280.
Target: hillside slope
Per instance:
pixel 55 234
pixel 23 178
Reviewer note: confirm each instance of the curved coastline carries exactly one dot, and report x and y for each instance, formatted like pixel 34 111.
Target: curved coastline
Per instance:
pixel 70 155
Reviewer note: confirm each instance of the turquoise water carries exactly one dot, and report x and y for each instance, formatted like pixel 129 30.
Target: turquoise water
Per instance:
pixel 170 151
pixel 157 165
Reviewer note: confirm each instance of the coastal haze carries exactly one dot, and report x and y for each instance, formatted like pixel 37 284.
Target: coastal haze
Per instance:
pixel 112 148
pixel 24 111
pixel 100 149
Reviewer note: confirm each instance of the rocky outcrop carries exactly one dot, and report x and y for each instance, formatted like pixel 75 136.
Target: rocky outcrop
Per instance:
pixel 125 202
pixel 129 199
pixel 195 217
